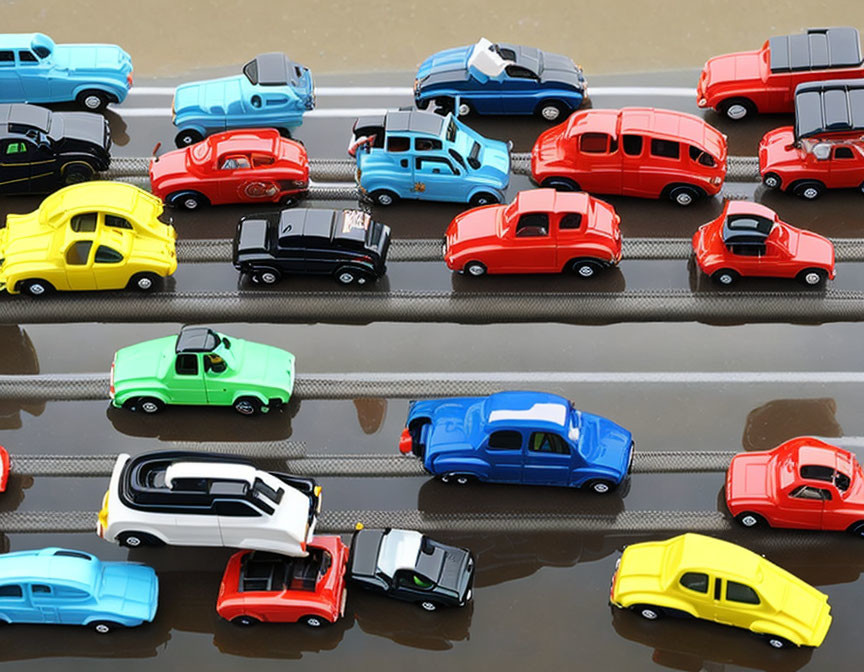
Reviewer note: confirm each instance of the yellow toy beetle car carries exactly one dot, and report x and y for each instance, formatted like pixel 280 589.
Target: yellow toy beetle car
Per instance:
pixel 702 577
pixel 95 235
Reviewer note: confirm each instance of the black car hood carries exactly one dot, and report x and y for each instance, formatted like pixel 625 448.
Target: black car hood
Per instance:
pixel 559 68
pixel 453 563
pixel 80 126
pixel 364 553
pixel 252 235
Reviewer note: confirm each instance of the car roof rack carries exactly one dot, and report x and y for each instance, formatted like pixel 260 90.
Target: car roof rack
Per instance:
pixel 816 49
pixel 834 106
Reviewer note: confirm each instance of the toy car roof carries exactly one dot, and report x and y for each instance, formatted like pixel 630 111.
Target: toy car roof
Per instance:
pixel 550 200
pixel 531 409
pixel 196 339
pixel 26 115
pixel 272 69
pixel 746 228
pixel 52 565
pixel 25 40
pixel 829 107
pixel 306 222
pixel 816 49
pixel 413 121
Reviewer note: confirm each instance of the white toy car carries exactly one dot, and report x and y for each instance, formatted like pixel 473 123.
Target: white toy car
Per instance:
pixel 200 499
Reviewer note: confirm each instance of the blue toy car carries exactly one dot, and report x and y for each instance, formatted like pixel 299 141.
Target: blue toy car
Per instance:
pixel 487 78
pixel 35 70
pixel 272 92
pixel 517 437
pixel 421 155
pixel 55 585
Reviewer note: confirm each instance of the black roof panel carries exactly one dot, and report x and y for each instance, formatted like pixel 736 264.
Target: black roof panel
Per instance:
pixel 314 222
pixel 29 115
pixel 816 49
pixel 196 339
pixel 829 107
pixel 272 69
pixel 414 121
pixel 746 229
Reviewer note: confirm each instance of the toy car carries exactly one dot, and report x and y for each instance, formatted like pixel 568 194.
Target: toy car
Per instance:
pixel 201 367
pixel 35 70
pixel 273 91
pixel 42 150
pixel 541 231
pixel 825 149
pixel 748 239
pixel 245 166
pixel 517 437
pixel 346 244
pixel 698 576
pixel 635 151
pixel 270 588
pixel 95 235
pixel 743 84
pixel 422 155
pixel 409 566
pixel 59 586
pixel 4 468
pixel 487 78
pixel 200 499
pixel 802 483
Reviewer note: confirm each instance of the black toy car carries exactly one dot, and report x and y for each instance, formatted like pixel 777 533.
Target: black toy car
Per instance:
pixel 41 151
pixel 409 566
pixel 346 244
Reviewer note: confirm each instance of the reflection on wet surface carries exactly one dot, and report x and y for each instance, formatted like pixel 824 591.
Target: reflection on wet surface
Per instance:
pixel 783 419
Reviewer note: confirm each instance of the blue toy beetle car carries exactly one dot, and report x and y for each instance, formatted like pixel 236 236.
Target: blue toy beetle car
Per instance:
pixel 55 585
pixel 487 78
pixel 35 70
pixel 517 437
pixel 273 91
pixel 421 155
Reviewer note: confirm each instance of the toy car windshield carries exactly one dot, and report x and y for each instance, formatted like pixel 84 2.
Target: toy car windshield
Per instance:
pixel 197 339
pixel 273 69
pixel 817 49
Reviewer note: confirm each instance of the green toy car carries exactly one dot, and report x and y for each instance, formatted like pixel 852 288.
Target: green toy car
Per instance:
pixel 201 367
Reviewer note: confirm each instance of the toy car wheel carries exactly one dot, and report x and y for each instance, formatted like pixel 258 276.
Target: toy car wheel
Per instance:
pixel 737 109
pixel 150 405
pixel 187 137
pixel 75 173
pixel 188 200
pixel 145 282
pixel 648 611
pixel 248 406
pixel 37 288
pixel 584 268
pixel 315 621
pixel 483 198
pixel 475 269
pixel 857 529
pixel 348 276
pixel 457 479
pixel 383 197
pixel 809 191
pixel 93 101
pixel 138 539
pixel 813 277
pixel 422 104
pixel 861 187
pixel 266 276
pixel 551 110
pixel 560 184
pixel 772 180
pixel 465 109
pixel 104 627
pixel 245 621
pixel 685 195
pixel 726 277
pixel 600 486
pixel 777 642
pixel 750 519
pixel 445 105
pixel 428 605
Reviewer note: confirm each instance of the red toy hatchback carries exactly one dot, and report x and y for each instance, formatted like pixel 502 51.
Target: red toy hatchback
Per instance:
pixel 541 231
pixel 803 483
pixel 748 239
pixel 270 588
pixel 635 151
pixel 242 166
pixel 741 84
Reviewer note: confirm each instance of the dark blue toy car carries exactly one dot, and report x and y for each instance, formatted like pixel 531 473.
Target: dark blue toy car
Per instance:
pixel 487 78
pixel 517 437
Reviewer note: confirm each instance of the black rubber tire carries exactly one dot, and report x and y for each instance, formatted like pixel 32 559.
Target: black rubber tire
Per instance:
pixel 777 642
pixel 187 137
pixel 245 621
pixel 36 288
pixel 445 105
pixel 104 627
pixel 685 195
pixel 772 181
pixel 188 200
pixel 475 269
pixel 428 605
pixel 76 173
pixel 857 529
pixel 145 282
pixel 751 520
pixel 483 198
pixel 544 110
pixel 583 268
pixel 560 184
pixel 149 405
pixel 134 539
pixel 809 190
pixel 315 621
pixel 649 612
pixel 861 187
pixel 285 132
pixel 384 197
pixel 265 276
pixel 248 406
pixel 346 275
pixel 457 479
pixel 808 276
pixel 600 486
pixel 731 108
pixel 720 277
pixel 87 100
pixel 422 104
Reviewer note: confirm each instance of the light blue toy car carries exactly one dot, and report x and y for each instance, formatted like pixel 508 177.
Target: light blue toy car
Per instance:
pixel 422 155
pixel 55 585
pixel 272 92
pixel 35 70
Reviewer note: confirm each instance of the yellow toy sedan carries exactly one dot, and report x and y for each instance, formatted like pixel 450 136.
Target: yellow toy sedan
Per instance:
pixel 95 235
pixel 702 577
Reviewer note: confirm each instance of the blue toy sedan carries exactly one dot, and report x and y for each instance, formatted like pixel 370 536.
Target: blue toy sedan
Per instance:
pixel 517 437
pixel 421 155
pixel 35 70
pixel 55 585
pixel 487 78
pixel 272 92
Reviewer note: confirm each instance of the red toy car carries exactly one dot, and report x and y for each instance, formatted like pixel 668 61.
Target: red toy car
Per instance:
pixel 4 469
pixel 635 151
pixel 748 239
pixel 802 483
pixel 741 84
pixel 541 231
pixel 270 588
pixel 242 166
pixel 825 148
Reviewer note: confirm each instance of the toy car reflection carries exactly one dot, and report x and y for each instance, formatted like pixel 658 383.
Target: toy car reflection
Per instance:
pixel 409 566
pixel 41 150
pixel 517 437
pixel 95 235
pixel 500 78
pixel 59 586
pixel 634 151
pixel 273 91
pixel 541 231
pixel 272 588
pixel 204 499
pixel 745 83
pixel 803 483
pixel 694 575
pixel 824 149
pixel 748 239
pixel 4 468
pixel 201 367
pixel 245 166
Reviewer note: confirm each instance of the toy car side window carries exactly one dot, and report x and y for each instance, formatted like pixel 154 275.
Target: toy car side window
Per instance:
pixel 748 249
pixel 696 581
pixel 13 148
pixel 632 145
pixel 843 153
pixel 809 492
pixel 667 149
pixel 27 58
pixel 262 160
pixel 738 592
pixel 594 143
pixel 78 253
pixel 11 591
pixel 117 222
pixel 83 223
pixel 427 144
pixel 234 508
pixel 519 72
pixel 7 58
pixel 40 591
pixel 435 165
pixel 186 365
pixel 67 593
pixel 214 363
pixel 570 221
pixel 235 163
pixel 547 442
pixel 107 255
pixel 700 157
pixel 505 439
pixel 533 225
pixel 398 143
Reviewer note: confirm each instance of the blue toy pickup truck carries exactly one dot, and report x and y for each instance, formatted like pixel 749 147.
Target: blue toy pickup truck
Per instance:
pixel 487 78
pixel 421 155
pixel 517 437
pixel 272 92
pixel 55 585
pixel 35 70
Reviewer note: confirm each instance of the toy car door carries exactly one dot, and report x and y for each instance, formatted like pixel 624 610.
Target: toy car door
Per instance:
pixel 16 157
pixel 186 382
pixel 14 604
pixel 529 246
pixel 847 167
pixel 519 90
pixel 598 163
pixel 747 257
pixel 738 604
pixel 694 587
pixel 436 179
pixel 233 171
pixel 548 460
pixel 801 507
pixel 10 82
pixel 570 234
pixel 34 76
pixel 485 97
pixel 236 518
pixel 412 586
pixel 503 451
pixel 217 379
pixel 78 256
pixel 44 603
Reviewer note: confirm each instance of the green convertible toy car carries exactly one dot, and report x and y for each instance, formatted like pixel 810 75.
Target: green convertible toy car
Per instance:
pixel 201 367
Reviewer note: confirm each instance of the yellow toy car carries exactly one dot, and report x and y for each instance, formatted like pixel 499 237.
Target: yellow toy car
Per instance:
pixel 95 235
pixel 702 577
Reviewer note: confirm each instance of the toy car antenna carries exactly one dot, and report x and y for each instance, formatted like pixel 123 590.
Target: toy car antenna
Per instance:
pixel 156 149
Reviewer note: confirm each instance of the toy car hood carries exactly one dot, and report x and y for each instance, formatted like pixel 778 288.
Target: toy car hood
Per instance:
pixel 129 589
pixel 750 477
pixel 141 360
pixel 604 443
pixel 83 126
pixel 813 248
pixel 450 64
pixel 735 68
pixel 92 57
pixel 209 97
